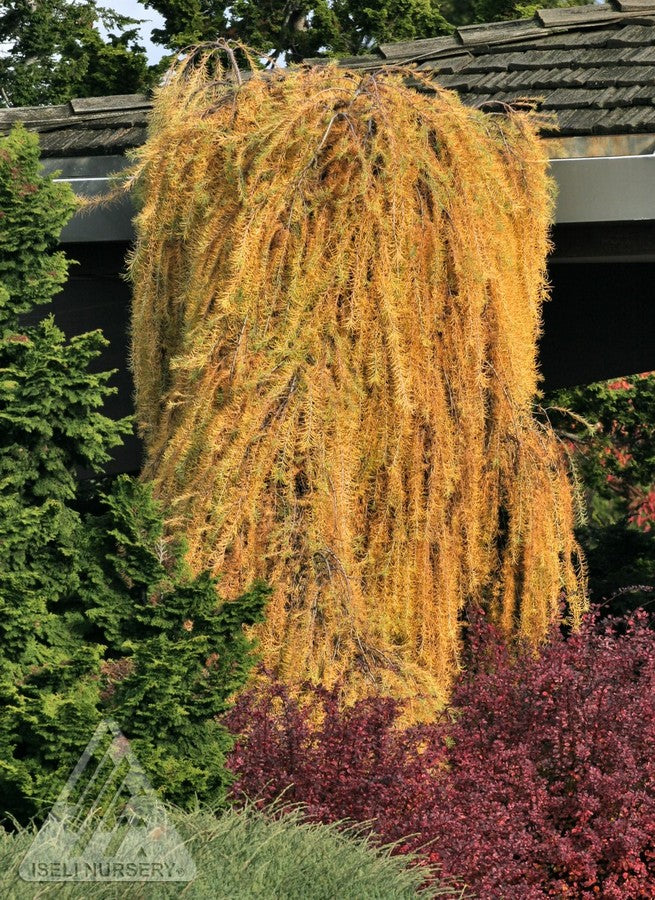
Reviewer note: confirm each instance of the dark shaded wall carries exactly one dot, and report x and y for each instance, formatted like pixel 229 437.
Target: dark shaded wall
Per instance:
pixel 600 323
pixel 97 296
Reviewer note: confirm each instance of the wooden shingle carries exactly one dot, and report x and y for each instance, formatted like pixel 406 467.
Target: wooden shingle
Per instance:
pixel 593 67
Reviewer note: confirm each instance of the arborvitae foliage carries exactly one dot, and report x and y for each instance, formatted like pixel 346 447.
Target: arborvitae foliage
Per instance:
pixel 338 288
pixel 98 615
pixel 139 639
pixel 174 656
pixel 50 423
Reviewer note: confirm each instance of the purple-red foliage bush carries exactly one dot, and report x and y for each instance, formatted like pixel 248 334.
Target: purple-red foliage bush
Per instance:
pixel 539 782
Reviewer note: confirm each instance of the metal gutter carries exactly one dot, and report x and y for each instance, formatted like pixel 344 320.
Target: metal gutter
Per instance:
pixel 590 189
pixel 605 189
pixel 90 176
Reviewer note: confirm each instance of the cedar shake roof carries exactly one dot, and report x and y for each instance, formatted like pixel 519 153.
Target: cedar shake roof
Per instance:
pixel 92 126
pixel 591 67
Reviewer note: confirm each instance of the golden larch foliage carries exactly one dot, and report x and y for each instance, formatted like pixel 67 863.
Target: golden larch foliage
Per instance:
pixel 338 284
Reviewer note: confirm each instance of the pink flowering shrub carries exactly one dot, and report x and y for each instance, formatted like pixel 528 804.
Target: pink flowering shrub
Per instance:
pixel 538 782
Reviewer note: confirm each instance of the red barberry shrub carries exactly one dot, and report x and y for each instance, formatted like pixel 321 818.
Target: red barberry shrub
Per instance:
pixel 539 782
pixel 341 763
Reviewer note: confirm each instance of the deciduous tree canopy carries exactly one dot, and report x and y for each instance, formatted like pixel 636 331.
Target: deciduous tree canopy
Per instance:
pixel 300 28
pixel 338 287
pixel 52 50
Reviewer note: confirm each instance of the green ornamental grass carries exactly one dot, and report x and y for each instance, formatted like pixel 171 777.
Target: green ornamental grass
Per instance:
pixel 248 854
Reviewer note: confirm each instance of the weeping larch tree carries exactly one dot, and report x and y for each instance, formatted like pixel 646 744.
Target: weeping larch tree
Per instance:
pixel 338 283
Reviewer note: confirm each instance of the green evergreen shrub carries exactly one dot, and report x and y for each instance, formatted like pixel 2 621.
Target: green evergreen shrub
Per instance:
pixel 173 657
pixel 50 422
pixel 98 614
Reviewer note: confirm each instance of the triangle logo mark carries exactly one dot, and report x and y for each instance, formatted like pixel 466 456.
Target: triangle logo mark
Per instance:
pixel 108 824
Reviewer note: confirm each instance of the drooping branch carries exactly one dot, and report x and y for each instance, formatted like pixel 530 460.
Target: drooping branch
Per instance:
pixel 338 289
